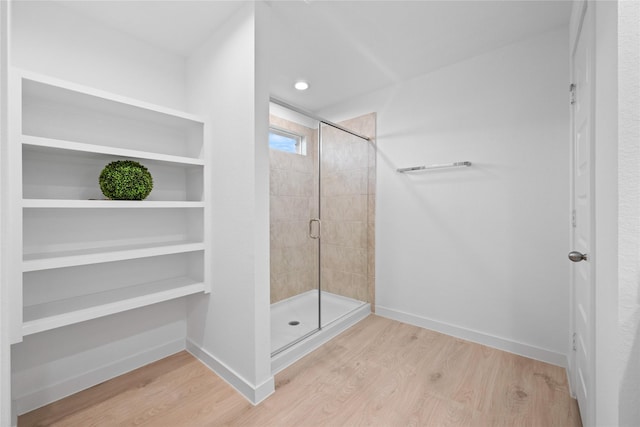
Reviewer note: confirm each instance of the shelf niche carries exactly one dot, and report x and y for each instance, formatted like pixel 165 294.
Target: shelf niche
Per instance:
pixel 52 173
pixel 63 296
pixel 85 234
pixel 94 117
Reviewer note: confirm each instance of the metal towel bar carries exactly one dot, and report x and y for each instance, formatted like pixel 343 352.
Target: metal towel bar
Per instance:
pixel 445 165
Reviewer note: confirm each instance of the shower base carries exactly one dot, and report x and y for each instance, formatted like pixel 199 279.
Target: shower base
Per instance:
pixel 338 314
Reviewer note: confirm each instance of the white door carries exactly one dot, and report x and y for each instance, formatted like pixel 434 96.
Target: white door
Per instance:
pixel 582 229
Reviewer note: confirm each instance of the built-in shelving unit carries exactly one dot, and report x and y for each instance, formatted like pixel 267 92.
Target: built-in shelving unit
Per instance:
pixel 80 256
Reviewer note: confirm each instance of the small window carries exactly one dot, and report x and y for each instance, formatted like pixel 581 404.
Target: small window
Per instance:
pixel 286 141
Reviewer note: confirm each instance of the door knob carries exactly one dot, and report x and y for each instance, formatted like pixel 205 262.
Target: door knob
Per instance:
pixel 576 256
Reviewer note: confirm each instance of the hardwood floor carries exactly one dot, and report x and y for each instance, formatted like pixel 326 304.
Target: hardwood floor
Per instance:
pixel 379 373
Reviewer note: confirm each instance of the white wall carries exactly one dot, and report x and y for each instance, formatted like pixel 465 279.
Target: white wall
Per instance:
pixel 5 359
pixel 54 364
pixel 227 84
pixel 51 39
pixel 479 252
pixel 629 210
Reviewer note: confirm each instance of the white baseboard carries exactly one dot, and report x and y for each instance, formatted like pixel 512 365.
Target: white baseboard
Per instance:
pixel 514 347
pixel 253 393
pixel 44 396
pixel 289 356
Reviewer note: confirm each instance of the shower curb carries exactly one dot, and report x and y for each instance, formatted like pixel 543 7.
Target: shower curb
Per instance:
pixel 291 355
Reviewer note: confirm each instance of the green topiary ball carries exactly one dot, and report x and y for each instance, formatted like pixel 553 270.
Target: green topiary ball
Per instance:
pixel 125 180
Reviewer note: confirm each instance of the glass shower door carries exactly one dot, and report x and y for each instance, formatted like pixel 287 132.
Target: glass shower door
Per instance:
pixel 346 209
pixel 295 247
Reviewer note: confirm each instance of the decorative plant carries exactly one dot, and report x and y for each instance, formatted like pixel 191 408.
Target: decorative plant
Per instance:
pixel 125 180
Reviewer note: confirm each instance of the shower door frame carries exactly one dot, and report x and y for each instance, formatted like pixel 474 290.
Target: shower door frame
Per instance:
pixel 321 121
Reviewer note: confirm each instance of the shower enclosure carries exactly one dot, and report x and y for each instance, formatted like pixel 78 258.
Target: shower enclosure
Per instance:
pixel 322 197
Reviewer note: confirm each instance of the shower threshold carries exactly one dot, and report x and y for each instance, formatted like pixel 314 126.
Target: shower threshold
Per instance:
pixel 338 314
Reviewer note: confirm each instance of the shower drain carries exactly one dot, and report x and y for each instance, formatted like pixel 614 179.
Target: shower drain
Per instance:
pixel 294 323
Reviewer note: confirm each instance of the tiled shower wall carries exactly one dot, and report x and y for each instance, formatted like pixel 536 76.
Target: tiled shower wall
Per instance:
pixel 348 212
pixel 294 200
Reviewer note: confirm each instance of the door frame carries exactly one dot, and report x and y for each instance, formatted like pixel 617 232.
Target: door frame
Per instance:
pixel 607 374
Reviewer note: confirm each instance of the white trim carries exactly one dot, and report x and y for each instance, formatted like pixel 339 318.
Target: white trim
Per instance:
pixel 291 355
pixel 253 393
pixel 499 343
pixel 607 115
pixel 54 392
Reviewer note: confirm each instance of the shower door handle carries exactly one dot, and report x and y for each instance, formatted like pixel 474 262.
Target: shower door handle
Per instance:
pixel 311 235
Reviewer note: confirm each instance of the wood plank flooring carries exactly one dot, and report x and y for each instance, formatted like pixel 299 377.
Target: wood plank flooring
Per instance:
pixel 378 373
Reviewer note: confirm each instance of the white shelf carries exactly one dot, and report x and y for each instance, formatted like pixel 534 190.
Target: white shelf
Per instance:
pixel 50 143
pixel 107 204
pixel 45 261
pixel 110 103
pixel 43 317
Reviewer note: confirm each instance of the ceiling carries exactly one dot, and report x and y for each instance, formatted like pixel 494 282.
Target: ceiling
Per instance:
pixel 342 48
pixel 179 26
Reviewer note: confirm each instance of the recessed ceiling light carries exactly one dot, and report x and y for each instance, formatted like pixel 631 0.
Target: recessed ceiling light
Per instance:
pixel 301 85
